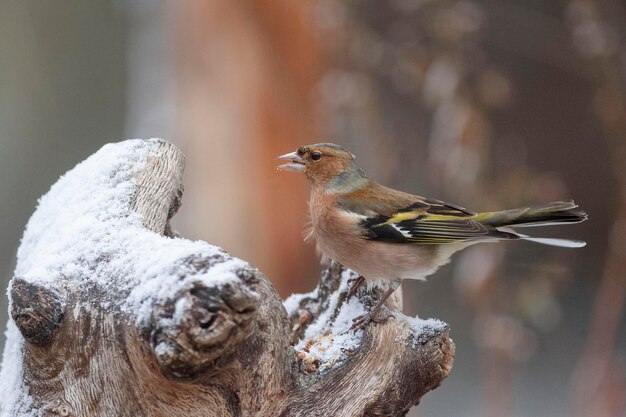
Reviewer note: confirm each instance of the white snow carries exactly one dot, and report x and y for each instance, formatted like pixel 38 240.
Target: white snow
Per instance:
pixel 84 229
pixel 11 385
pixel 292 302
pixel 423 328
pixel 84 232
pixel 339 340
pixel 327 341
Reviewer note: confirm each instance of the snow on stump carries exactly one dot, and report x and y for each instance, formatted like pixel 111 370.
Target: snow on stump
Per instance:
pixel 114 315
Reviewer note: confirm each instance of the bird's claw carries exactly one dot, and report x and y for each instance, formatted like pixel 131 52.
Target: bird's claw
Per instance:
pixel 382 319
pixel 351 280
pixel 363 320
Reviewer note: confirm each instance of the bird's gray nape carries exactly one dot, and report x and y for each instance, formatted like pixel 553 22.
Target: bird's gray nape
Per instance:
pixel 349 180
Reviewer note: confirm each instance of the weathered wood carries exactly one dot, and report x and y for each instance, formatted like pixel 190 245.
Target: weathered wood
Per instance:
pixel 132 322
pixel 389 372
pixel 160 188
pixel 37 311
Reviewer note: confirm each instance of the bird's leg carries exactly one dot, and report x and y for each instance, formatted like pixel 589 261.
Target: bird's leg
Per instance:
pixel 356 283
pixel 361 321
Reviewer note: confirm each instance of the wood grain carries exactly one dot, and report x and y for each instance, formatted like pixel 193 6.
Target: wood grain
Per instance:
pixel 208 350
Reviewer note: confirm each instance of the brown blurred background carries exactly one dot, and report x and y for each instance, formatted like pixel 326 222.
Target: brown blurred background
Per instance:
pixel 488 104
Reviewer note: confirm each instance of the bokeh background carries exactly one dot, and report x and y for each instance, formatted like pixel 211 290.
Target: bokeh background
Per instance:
pixel 485 103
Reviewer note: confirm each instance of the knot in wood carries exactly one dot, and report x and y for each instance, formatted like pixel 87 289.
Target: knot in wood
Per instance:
pixel 194 329
pixel 37 311
pixel 58 407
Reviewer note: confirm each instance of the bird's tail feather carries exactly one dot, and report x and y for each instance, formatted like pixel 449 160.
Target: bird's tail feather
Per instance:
pixel 563 243
pixel 559 212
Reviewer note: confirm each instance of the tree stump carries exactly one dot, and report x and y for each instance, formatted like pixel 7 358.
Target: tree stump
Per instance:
pixel 115 315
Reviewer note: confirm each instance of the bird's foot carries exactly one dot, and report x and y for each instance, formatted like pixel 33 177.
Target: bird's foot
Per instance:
pixel 363 320
pixel 356 283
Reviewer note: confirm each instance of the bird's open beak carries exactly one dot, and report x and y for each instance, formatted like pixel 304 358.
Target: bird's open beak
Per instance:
pixel 296 164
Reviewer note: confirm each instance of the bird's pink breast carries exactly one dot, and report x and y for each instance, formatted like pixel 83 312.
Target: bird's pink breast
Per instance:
pixel 338 236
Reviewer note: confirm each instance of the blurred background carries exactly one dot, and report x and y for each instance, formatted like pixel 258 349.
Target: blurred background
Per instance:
pixel 487 104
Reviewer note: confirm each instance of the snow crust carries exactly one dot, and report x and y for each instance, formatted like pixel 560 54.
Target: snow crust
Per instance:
pixel 84 233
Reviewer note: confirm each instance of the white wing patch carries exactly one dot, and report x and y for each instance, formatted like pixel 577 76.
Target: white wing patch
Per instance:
pixel 405 233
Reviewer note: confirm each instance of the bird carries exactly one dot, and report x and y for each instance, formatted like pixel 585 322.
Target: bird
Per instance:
pixel 385 234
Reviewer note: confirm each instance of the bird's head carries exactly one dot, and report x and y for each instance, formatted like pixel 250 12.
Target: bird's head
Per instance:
pixel 324 164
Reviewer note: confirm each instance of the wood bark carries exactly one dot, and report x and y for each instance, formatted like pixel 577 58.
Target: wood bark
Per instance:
pixel 222 349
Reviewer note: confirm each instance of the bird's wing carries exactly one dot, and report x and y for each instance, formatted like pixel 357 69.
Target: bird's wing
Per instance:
pixel 423 221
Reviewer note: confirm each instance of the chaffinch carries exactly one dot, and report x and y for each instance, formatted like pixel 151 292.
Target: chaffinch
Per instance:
pixel 386 234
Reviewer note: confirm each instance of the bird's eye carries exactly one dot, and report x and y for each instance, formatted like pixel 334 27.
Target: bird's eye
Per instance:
pixel 316 156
